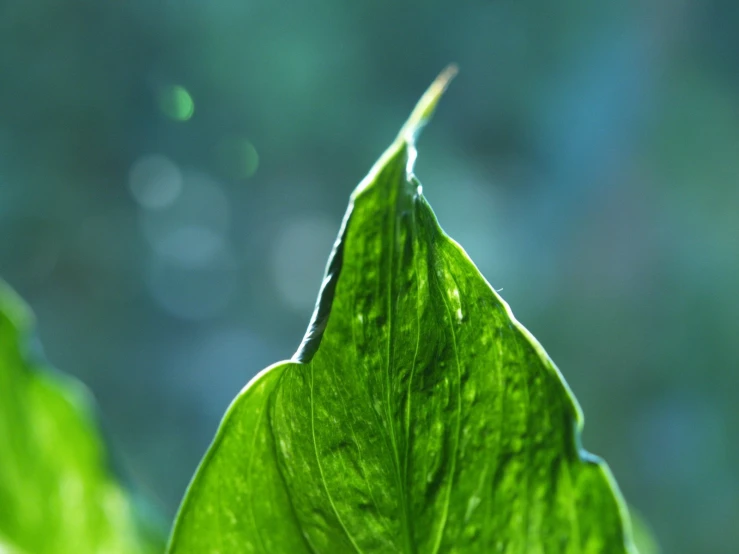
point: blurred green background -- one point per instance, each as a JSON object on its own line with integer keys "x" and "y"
{"x": 173, "y": 174}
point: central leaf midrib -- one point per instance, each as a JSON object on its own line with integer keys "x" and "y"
{"x": 414, "y": 232}
{"x": 395, "y": 181}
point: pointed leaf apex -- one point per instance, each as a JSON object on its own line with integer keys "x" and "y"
{"x": 426, "y": 105}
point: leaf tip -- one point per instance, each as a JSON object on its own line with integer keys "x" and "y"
{"x": 427, "y": 104}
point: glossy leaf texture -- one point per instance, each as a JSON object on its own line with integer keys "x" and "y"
{"x": 418, "y": 416}
{"x": 57, "y": 495}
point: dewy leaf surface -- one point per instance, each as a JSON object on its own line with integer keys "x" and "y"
{"x": 418, "y": 416}
{"x": 56, "y": 493}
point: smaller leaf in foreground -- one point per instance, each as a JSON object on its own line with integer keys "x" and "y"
{"x": 56, "y": 493}
{"x": 644, "y": 538}
{"x": 418, "y": 416}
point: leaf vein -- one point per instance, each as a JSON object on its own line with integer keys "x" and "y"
{"x": 320, "y": 466}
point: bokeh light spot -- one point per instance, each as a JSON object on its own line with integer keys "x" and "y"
{"x": 176, "y": 103}
{"x": 192, "y": 229}
{"x": 191, "y": 246}
{"x": 193, "y": 294}
{"x": 237, "y": 158}
{"x": 155, "y": 181}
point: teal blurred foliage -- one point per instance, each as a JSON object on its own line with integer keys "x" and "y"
{"x": 173, "y": 173}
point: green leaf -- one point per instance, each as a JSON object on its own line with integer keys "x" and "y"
{"x": 417, "y": 416}
{"x": 644, "y": 538}
{"x": 56, "y": 493}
